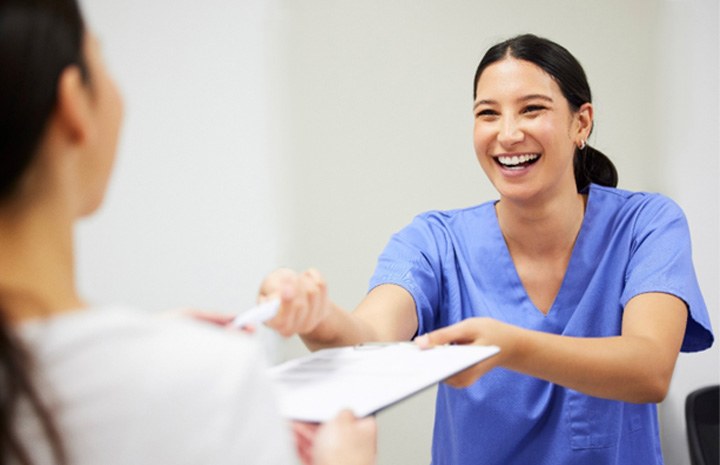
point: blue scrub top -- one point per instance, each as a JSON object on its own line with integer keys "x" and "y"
{"x": 456, "y": 265}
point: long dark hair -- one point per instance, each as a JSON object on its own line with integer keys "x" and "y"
{"x": 38, "y": 40}
{"x": 590, "y": 165}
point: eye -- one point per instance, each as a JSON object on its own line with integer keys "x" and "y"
{"x": 486, "y": 113}
{"x": 532, "y": 109}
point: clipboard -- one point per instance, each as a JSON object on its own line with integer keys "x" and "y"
{"x": 366, "y": 378}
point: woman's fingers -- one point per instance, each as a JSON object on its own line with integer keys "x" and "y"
{"x": 468, "y": 376}
{"x": 477, "y": 331}
{"x": 274, "y": 282}
{"x": 304, "y": 434}
{"x": 303, "y": 300}
{"x": 317, "y": 300}
{"x": 466, "y": 332}
{"x": 347, "y": 440}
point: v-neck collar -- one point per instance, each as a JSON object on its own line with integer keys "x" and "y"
{"x": 564, "y": 302}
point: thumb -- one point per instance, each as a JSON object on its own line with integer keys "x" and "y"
{"x": 459, "y": 333}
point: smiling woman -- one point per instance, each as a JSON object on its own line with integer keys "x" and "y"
{"x": 564, "y": 89}
{"x": 588, "y": 290}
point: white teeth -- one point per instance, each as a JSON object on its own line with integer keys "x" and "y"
{"x": 515, "y": 160}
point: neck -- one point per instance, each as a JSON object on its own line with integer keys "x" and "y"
{"x": 37, "y": 277}
{"x": 543, "y": 229}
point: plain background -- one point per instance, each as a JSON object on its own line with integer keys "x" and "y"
{"x": 266, "y": 133}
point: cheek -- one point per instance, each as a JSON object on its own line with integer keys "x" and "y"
{"x": 552, "y": 133}
{"x": 113, "y": 116}
{"x": 113, "y": 105}
{"x": 481, "y": 139}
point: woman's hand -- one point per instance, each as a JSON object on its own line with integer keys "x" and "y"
{"x": 215, "y": 318}
{"x": 303, "y": 298}
{"x": 476, "y": 331}
{"x": 635, "y": 366}
{"x": 304, "y": 435}
{"x": 346, "y": 440}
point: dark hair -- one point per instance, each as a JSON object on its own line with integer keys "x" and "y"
{"x": 39, "y": 39}
{"x": 591, "y": 165}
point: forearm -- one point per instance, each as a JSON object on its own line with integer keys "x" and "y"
{"x": 635, "y": 366}
{"x": 386, "y": 314}
{"x": 628, "y": 368}
{"x": 339, "y": 328}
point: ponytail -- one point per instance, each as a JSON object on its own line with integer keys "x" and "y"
{"x": 592, "y": 166}
{"x": 16, "y": 367}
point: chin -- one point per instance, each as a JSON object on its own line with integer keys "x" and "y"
{"x": 513, "y": 189}
{"x": 518, "y": 192}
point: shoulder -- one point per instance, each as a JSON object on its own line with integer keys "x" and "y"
{"x": 466, "y": 213}
{"x": 148, "y": 376}
{"x": 632, "y": 199}
{"x": 642, "y": 208}
{"x": 460, "y": 218}
{"x": 121, "y": 352}
{"x": 436, "y": 229}
{"x": 123, "y": 333}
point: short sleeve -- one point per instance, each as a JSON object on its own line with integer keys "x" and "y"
{"x": 411, "y": 260}
{"x": 661, "y": 261}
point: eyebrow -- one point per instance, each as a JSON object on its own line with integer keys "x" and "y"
{"x": 521, "y": 99}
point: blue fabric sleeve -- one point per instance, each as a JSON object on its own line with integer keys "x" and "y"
{"x": 661, "y": 261}
{"x": 411, "y": 261}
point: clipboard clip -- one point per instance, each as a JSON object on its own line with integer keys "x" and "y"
{"x": 374, "y": 345}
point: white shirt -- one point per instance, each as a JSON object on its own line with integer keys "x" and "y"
{"x": 129, "y": 388}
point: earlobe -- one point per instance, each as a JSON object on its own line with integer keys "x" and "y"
{"x": 73, "y": 106}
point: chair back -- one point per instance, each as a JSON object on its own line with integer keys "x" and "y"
{"x": 701, "y": 417}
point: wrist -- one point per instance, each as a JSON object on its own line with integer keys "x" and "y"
{"x": 325, "y": 333}
{"x": 516, "y": 345}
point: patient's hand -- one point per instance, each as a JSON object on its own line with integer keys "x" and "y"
{"x": 215, "y": 318}
{"x": 304, "y": 435}
{"x": 346, "y": 440}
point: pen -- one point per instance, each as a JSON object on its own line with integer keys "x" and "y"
{"x": 258, "y": 314}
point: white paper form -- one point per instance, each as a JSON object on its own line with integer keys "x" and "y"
{"x": 365, "y": 378}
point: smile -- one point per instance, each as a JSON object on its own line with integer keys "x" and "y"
{"x": 517, "y": 161}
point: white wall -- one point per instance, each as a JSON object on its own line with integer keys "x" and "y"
{"x": 189, "y": 219}
{"x": 689, "y": 94}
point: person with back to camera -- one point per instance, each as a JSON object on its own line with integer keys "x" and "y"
{"x": 588, "y": 290}
{"x": 108, "y": 386}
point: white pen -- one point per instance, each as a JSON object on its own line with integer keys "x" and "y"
{"x": 256, "y": 315}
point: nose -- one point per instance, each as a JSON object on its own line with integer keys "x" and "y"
{"x": 509, "y": 132}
